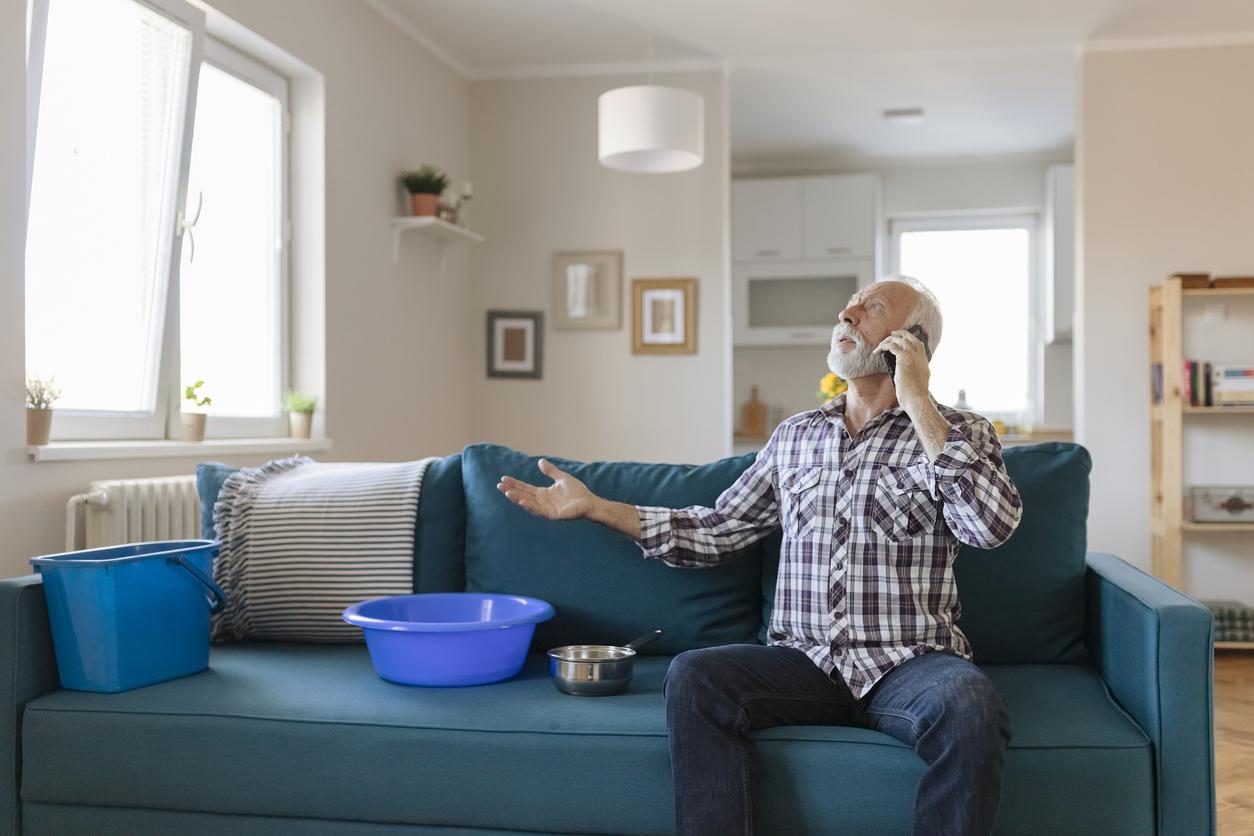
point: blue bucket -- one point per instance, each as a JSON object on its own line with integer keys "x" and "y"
{"x": 127, "y": 616}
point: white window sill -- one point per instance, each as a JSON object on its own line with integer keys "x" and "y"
{"x": 62, "y": 451}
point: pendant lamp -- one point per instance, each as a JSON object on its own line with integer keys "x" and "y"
{"x": 650, "y": 128}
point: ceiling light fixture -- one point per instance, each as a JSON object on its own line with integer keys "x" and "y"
{"x": 904, "y": 115}
{"x": 650, "y": 128}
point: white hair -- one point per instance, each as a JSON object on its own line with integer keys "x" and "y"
{"x": 926, "y": 311}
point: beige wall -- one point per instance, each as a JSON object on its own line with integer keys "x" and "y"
{"x": 540, "y": 189}
{"x": 397, "y": 353}
{"x": 1165, "y": 182}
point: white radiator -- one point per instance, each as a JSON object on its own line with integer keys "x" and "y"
{"x": 134, "y": 510}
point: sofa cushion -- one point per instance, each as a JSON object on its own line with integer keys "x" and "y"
{"x": 1024, "y": 600}
{"x": 603, "y": 588}
{"x": 302, "y": 730}
{"x": 440, "y": 537}
{"x": 209, "y": 479}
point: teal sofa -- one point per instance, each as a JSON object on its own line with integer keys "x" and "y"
{"x": 1106, "y": 670}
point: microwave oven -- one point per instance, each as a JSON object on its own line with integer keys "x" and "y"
{"x": 793, "y": 302}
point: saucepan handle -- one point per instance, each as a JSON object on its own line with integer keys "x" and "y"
{"x": 642, "y": 640}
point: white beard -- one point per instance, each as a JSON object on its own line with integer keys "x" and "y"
{"x": 859, "y": 361}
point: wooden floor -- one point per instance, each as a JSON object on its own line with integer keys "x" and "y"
{"x": 1234, "y": 741}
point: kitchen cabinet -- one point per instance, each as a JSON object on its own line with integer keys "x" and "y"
{"x": 1059, "y": 253}
{"x": 766, "y": 219}
{"x": 793, "y": 302}
{"x": 839, "y": 216}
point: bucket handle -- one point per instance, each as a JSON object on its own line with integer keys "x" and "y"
{"x": 216, "y": 593}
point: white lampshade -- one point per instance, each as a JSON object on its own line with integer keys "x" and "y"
{"x": 652, "y": 129}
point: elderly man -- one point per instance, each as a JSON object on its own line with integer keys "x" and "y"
{"x": 874, "y": 492}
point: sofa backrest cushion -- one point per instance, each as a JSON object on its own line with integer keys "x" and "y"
{"x": 603, "y": 588}
{"x": 440, "y": 542}
{"x": 439, "y": 539}
{"x": 209, "y": 479}
{"x": 1023, "y": 602}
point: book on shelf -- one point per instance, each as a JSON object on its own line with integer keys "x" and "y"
{"x": 1232, "y": 385}
{"x": 1191, "y": 281}
{"x": 1195, "y": 389}
{"x": 1207, "y": 384}
{"x": 1232, "y": 281}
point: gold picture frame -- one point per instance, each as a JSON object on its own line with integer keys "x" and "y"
{"x": 664, "y": 316}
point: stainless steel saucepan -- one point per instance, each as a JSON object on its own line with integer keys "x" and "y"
{"x": 589, "y": 670}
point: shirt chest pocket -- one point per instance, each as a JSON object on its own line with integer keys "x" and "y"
{"x": 799, "y": 499}
{"x": 901, "y": 503}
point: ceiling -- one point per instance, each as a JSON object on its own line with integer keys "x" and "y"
{"x": 809, "y": 78}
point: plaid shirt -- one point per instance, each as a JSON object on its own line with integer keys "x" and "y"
{"x": 871, "y": 526}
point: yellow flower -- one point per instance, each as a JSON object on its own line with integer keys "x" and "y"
{"x": 831, "y": 386}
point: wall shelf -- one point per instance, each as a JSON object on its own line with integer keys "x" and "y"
{"x": 1189, "y": 525}
{"x": 1212, "y": 292}
{"x": 1214, "y": 410}
{"x": 1167, "y": 523}
{"x": 433, "y": 227}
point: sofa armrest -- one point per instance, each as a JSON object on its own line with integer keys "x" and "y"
{"x": 28, "y": 668}
{"x": 1154, "y": 648}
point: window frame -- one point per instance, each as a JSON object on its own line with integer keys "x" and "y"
{"x": 164, "y": 421}
{"x": 1028, "y": 219}
{"x": 231, "y": 60}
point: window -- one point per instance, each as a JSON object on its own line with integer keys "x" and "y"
{"x": 982, "y": 270}
{"x": 131, "y": 292}
{"x": 231, "y": 273}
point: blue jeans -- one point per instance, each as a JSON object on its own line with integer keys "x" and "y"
{"x": 939, "y": 703}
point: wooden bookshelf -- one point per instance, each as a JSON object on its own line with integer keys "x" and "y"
{"x": 1167, "y": 523}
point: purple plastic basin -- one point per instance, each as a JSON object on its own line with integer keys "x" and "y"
{"x": 448, "y": 638}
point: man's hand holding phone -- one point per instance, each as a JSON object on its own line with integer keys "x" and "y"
{"x": 909, "y": 364}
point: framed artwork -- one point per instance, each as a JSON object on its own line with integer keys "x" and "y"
{"x": 587, "y": 290}
{"x": 515, "y": 343}
{"x": 664, "y": 316}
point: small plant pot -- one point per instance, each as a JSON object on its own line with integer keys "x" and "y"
{"x": 301, "y": 423}
{"x": 194, "y": 426}
{"x": 425, "y": 204}
{"x": 38, "y": 426}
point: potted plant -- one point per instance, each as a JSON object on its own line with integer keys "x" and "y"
{"x": 425, "y": 187}
{"x": 300, "y": 409}
{"x": 194, "y": 419}
{"x": 40, "y": 394}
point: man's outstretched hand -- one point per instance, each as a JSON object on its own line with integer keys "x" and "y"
{"x": 566, "y": 499}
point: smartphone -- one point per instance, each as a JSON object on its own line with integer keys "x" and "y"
{"x": 890, "y": 359}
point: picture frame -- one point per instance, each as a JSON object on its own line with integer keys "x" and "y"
{"x": 515, "y": 344}
{"x": 664, "y": 316}
{"x": 587, "y": 290}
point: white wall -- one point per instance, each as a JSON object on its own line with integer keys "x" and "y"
{"x": 398, "y": 357}
{"x": 788, "y": 376}
{"x": 539, "y": 189}
{"x": 1165, "y": 182}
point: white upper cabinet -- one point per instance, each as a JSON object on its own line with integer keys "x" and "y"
{"x": 839, "y": 216}
{"x": 805, "y": 218}
{"x": 766, "y": 219}
{"x": 1059, "y": 253}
